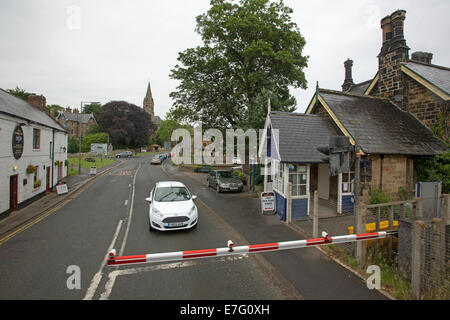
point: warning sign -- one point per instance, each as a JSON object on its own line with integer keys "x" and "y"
{"x": 268, "y": 202}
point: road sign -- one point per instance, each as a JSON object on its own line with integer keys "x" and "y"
{"x": 99, "y": 148}
{"x": 93, "y": 171}
{"x": 268, "y": 203}
{"x": 61, "y": 189}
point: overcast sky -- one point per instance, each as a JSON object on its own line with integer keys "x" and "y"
{"x": 103, "y": 50}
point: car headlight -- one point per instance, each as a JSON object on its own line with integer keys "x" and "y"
{"x": 193, "y": 209}
{"x": 224, "y": 185}
{"x": 157, "y": 213}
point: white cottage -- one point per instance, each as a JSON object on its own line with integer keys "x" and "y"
{"x": 33, "y": 151}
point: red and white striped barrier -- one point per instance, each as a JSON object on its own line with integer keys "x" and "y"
{"x": 231, "y": 250}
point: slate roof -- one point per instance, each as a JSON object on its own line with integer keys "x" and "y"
{"x": 76, "y": 117}
{"x": 380, "y": 127}
{"x": 360, "y": 88}
{"x": 299, "y": 135}
{"x": 16, "y": 107}
{"x": 436, "y": 75}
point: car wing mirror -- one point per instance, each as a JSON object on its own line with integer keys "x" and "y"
{"x": 194, "y": 197}
{"x": 149, "y": 199}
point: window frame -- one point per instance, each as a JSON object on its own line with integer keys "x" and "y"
{"x": 36, "y": 139}
{"x": 297, "y": 187}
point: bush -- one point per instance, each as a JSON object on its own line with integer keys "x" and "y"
{"x": 90, "y": 160}
{"x": 434, "y": 168}
{"x": 241, "y": 176}
{"x": 378, "y": 196}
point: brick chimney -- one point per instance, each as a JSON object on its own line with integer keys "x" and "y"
{"x": 76, "y": 111}
{"x": 37, "y": 101}
{"x": 69, "y": 109}
{"x": 348, "y": 81}
{"x": 393, "y": 52}
{"x": 420, "y": 56}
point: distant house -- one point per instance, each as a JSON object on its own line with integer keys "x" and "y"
{"x": 33, "y": 151}
{"x": 388, "y": 117}
{"x": 76, "y": 123}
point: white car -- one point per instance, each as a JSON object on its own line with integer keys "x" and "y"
{"x": 171, "y": 207}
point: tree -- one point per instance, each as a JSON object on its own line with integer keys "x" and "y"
{"x": 19, "y": 93}
{"x": 127, "y": 124}
{"x": 73, "y": 145}
{"x": 93, "y": 108}
{"x": 165, "y": 129}
{"x": 101, "y": 137}
{"x": 55, "y": 107}
{"x": 251, "y": 49}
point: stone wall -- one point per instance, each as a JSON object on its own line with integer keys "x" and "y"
{"x": 422, "y": 103}
{"x": 388, "y": 173}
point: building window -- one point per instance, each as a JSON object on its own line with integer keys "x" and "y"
{"x": 347, "y": 182}
{"x": 36, "y": 138}
{"x": 298, "y": 178}
{"x": 278, "y": 181}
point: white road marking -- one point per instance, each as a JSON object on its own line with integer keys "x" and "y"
{"x": 124, "y": 241}
{"x": 183, "y": 264}
{"x": 126, "y": 202}
{"x": 98, "y": 276}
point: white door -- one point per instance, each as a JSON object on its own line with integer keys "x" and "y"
{"x": 323, "y": 186}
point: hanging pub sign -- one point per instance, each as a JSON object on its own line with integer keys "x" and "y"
{"x": 17, "y": 142}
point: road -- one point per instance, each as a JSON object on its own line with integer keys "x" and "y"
{"x": 38, "y": 263}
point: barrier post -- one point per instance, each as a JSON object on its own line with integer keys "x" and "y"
{"x": 316, "y": 215}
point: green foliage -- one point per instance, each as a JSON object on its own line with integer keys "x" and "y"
{"x": 250, "y": 48}
{"x": 165, "y": 130}
{"x": 434, "y": 168}
{"x": 378, "y": 196}
{"x": 95, "y": 128}
{"x": 73, "y": 145}
{"x": 241, "y": 176}
{"x": 93, "y": 108}
{"x": 403, "y": 194}
{"x": 19, "y": 93}
{"x": 55, "y": 107}
{"x": 93, "y": 138}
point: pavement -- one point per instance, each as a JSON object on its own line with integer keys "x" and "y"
{"x": 15, "y": 220}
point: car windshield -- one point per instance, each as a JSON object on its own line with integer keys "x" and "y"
{"x": 156, "y": 157}
{"x": 225, "y": 174}
{"x": 169, "y": 194}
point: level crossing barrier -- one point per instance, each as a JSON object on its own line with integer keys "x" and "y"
{"x": 241, "y": 250}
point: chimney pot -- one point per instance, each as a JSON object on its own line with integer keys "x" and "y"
{"x": 348, "y": 81}
{"x": 420, "y": 56}
{"x": 37, "y": 101}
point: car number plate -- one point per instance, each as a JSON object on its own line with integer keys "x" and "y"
{"x": 176, "y": 224}
{"x": 233, "y": 188}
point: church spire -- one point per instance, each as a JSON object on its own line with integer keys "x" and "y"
{"x": 149, "y": 104}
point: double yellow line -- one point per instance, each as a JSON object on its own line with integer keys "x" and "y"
{"x": 58, "y": 206}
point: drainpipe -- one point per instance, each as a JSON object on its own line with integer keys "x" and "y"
{"x": 53, "y": 156}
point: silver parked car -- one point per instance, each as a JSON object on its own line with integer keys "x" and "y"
{"x": 224, "y": 181}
